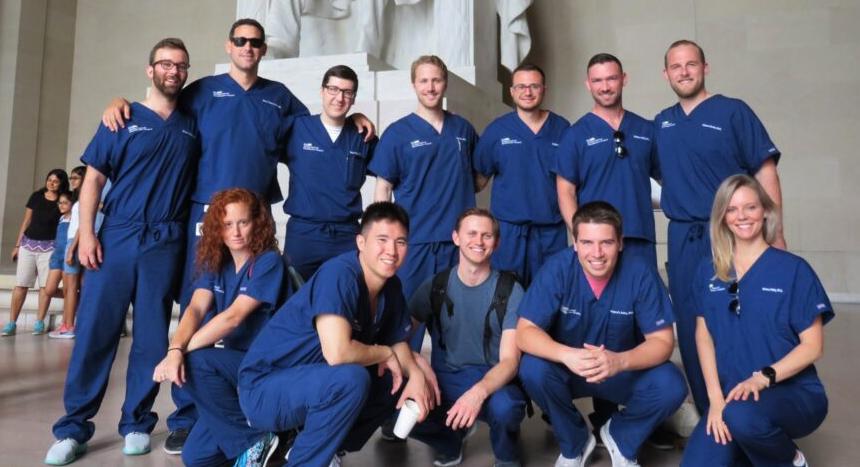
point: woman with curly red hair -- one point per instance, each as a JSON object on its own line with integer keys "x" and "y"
{"x": 238, "y": 283}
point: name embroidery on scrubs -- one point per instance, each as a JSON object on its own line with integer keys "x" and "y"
{"x": 666, "y": 124}
{"x": 222, "y": 94}
{"x": 136, "y": 128}
{"x": 554, "y": 144}
{"x": 715, "y": 288}
{"x": 569, "y": 311}
{"x": 713, "y": 127}
{"x": 271, "y": 103}
{"x": 592, "y": 141}
{"x": 189, "y": 134}
{"x": 622, "y": 312}
{"x": 311, "y": 147}
{"x": 771, "y": 289}
{"x": 643, "y": 138}
{"x": 418, "y": 143}
{"x": 507, "y": 141}
{"x": 460, "y": 142}
{"x": 217, "y": 289}
{"x": 243, "y": 289}
{"x": 354, "y": 153}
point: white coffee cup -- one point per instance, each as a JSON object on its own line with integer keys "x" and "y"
{"x": 407, "y": 419}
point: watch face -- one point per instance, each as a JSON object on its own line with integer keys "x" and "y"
{"x": 770, "y": 373}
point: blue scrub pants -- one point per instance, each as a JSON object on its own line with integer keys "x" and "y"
{"x": 641, "y": 248}
{"x": 308, "y": 244}
{"x": 221, "y": 432}
{"x": 340, "y": 407}
{"x": 523, "y": 248}
{"x": 689, "y": 245}
{"x": 649, "y": 397}
{"x": 762, "y": 431}
{"x": 140, "y": 268}
{"x": 422, "y": 262}
{"x": 504, "y": 410}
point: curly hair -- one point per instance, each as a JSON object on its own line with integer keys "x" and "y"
{"x": 211, "y": 251}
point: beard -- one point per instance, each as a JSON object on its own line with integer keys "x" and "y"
{"x": 168, "y": 90}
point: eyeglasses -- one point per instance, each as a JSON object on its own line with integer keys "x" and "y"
{"x": 334, "y": 91}
{"x": 256, "y": 42}
{"x": 522, "y": 87}
{"x": 620, "y": 150}
{"x": 167, "y": 65}
{"x": 735, "y": 304}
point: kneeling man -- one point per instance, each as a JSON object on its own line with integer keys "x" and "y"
{"x": 470, "y": 311}
{"x": 596, "y": 324}
{"x": 333, "y": 357}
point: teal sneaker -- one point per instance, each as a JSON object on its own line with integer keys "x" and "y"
{"x": 136, "y": 444}
{"x": 258, "y": 454}
{"x": 65, "y": 451}
{"x": 9, "y": 329}
{"x": 39, "y": 328}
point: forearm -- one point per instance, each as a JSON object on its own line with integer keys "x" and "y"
{"x": 213, "y": 331}
{"x": 567, "y": 202}
{"x": 382, "y": 191}
{"x": 768, "y": 176}
{"x": 708, "y": 363}
{"x": 360, "y": 354}
{"x": 498, "y": 376}
{"x": 648, "y": 354}
{"x": 89, "y": 202}
{"x": 187, "y": 327}
{"x": 805, "y": 354}
{"x": 481, "y": 182}
{"x": 407, "y": 361}
{"x": 535, "y": 341}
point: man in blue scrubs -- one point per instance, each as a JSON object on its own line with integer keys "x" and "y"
{"x": 609, "y": 155}
{"x": 135, "y": 258}
{"x": 332, "y": 359}
{"x": 519, "y": 150}
{"x": 595, "y": 323}
{"x": 702, "y": 140}
{"x": 475, "y": 355}
{"x": 327, "y": 158}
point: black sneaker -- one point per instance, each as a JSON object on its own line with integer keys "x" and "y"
{"x": 661, "y": 439}
{"x": 386, "y": 432}
{"x": 175, "y": 440}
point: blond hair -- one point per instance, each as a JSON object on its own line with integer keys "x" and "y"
{"x": 429, "y": 60}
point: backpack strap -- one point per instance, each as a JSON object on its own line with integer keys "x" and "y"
{"x": 438, "y": 297}
{"x": 504, "y": 288}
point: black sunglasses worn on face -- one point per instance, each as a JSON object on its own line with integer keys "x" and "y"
{"x": 240, "y": 41}
{"x": 620, "y": 150}
{"x": 735, "y": 304}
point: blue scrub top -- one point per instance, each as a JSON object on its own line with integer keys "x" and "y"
{"x": 721, "y": 137}
{"x": 561, "y": 302}
{"x": 431, "y": 172}
{"x": 780, "y": 296}
{"x": 325, "y": 176}
{"x": 243, "y": 133}
{"x": 150, "y": 164}
{"x": 290, "y": 338}
{"x": 586, "y": 158}
{"x": 523, "y": 164}
{"x": 261, "y": 278}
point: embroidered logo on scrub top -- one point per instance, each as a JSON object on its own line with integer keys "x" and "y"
{"x": 271, "y": 103}
{"x": 189, "y": 134}
{"x": 821, "y": 306}
{"x": 771, "y": 289}
{"x": 569, "y": 311}
{"x": 311, "y": 147}
{"x": 418, "y": 143}
{"x": 460, "y": 142}
{"x": 715, "y": 288}
{"x": 507, "y": 141}
{"x": 666, "y": 124}
{"x": 713, "y": 127}
{"x": 222, "y": 94}
{"x": 218, "y": 289}
{"x": 592, "y": 141}
{"x": 136, "y": 128}
{"x": 643, "y": 138}
{"x": 554, "y": 144}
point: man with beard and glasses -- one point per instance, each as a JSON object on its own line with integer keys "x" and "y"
{"x": 136, "y": 258}
{"x": 519, "y": 150}
{"x": 701, "y": 141}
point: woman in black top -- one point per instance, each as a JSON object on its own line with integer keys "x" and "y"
{"x": 34, "y": 246}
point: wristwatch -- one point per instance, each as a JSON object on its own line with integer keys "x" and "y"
{"x": 770, "y": 374}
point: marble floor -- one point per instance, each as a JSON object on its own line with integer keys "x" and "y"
{"x": 33, "y": 370}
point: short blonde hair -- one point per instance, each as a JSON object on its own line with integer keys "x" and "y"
{"x": 429, "y": 60}
{"x": 722, "y": 239}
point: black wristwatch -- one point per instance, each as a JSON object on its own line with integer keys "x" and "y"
{"x": 770, "y": 374}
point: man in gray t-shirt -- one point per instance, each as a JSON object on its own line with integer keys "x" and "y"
{"x": 475, "y": 357}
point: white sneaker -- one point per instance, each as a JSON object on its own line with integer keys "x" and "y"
{"x": 65, "y": 451}
{"x": 618, "y": 459}
{"x": 580, "y": 460}
{"x": 336, "y": 461}
{"x": 799, "y": 459}
{"x": 136, "y": 444}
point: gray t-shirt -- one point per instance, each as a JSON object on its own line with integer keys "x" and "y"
{"x": 463, "y": 333}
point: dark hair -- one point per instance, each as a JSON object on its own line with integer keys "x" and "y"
{"x": 68, "y": 194}
{"x": 384, "y": 211}
{"x": 480, "y": 212}
{"x": 342, "y": 72}
{"x": 679, "y": 43}
{"x": 603, "y": 58}
{"x": 168, "y": 43}
{"x": 81, "y": 171}
{"x": 247, "y": 22}
{"x": 530, "y": 67}
{"x": 429, "y": 60}
{"x": 597, "y": 212}
{"x": 64, "y": 180}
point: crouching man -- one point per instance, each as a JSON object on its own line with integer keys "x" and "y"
{"x": 596, "y": 324}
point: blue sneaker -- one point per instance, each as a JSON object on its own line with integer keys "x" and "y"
{"x": 65, "y": 451}
{"x": 39, "y": 328}
{"x": 9, "y": 329}
{"x": 258, "y": 454}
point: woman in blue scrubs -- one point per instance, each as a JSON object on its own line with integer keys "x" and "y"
{"x": 239, "y": 271}
{"x": 761, "y": 311}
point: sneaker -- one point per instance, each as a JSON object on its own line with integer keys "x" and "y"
{"x": 580, "y": 460}
{"x": 661, "y": 439}
{"x": 337, "y": 460}
{"x": 258, "y": 454}
{"x": 386, "y": 431}
{"x": 618, "y": 459}
{"x": 442, "y": 460}
{"x": 799, "y": 459}
{"x": 175, "y": 441}
{"x": 65, "y": 451}
{"x": 63, "y": 332}
{"x": 9, "y": 329}
{"x": 136, "y": 444}
{"x": 39, "y": 327}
